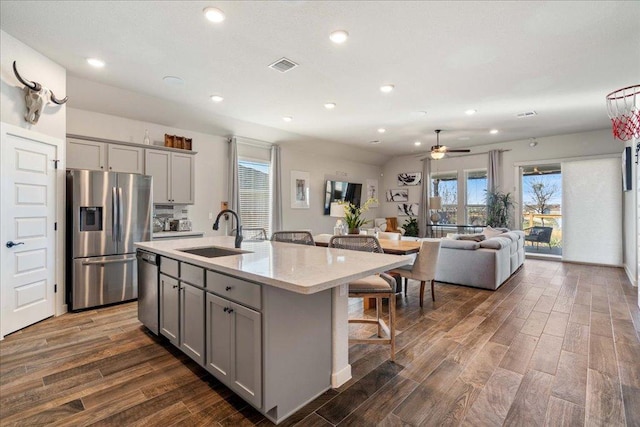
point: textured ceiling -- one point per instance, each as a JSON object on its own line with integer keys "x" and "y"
{"x": 559, "y": 59}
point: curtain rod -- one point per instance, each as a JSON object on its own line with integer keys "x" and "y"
{"x": 251, "y": 142}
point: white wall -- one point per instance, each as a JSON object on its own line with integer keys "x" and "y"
{"x": 34, "y": 66}
{"x": 630, "y": 215}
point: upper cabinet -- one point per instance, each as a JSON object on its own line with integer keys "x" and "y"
{"x": 173, "y": 176}
{"x": 94, "y": 155}
{"x": 173, "y": 169}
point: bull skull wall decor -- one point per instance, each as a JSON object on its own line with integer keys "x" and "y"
{"x": 36, "y": 97}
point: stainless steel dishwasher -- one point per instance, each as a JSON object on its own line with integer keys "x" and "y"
{"x": 148, "y": 302}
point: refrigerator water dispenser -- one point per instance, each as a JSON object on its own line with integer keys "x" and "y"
{"x": 90, "y": 218}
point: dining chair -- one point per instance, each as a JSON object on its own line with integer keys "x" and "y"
{"x": 388, "y": 235}
{"x": 299, "y": 237}
{"x": 423, "y": 268}
{"x": 252, "y": 233}
{"x": 377, "y": 286}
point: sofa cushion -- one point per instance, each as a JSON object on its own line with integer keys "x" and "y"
{"x": 495, "y": 243}
{"x": 459, "y": 244}
{"x": 491, "y": 232}
{"x": 472, "y": 237}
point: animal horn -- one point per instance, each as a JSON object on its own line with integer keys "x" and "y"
{"x": 31, "y": 85}
{"x": 58, "y": 101}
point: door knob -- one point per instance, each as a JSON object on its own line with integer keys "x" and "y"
{"x": 11, "y": 244}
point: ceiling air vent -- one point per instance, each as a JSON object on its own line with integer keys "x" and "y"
{"x": 526, "y": 114}
{"x": 283, "y": 65}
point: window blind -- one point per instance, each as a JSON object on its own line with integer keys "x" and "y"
{"x": 255, "y": 194}
{"x": 592, "y": 211}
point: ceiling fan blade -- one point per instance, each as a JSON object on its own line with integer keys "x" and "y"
{"x": 451, "y": 150}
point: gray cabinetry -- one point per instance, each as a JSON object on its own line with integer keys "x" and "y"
{"x": 173, "y": 176}
{"x": 169, "y": 306}
{"x": 192, "y": 322}
{"x": 234, "y": 347}
{"x": 95, "y": 155}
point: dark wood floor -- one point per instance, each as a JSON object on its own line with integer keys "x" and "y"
{"x": 557, "y": 345}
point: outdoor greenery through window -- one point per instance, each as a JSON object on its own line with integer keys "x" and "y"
{"x": 255, "y": 194}
{"x": 542, "y": 204}
{"x": 445, "y": 185}
{"x": 476, "y": 206}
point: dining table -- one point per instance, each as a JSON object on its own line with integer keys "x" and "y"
{"x": 393, "y": 247}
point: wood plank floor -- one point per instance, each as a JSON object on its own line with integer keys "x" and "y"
{"x": 556, "y": 345}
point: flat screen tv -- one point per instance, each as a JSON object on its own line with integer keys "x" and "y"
{"x": 341, "y": 190}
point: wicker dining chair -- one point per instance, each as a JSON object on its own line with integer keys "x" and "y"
{"x": 299, "y": 237}
{"x": 376, "y": 286}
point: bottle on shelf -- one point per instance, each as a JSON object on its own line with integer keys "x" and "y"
{"x": 146, "y": 140}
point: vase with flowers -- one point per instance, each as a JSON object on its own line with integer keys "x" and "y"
{"x": 353, "y": 215}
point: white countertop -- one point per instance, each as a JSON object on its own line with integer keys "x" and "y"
{"x": 297, "y": 268}
{"x": 169, "y": 234}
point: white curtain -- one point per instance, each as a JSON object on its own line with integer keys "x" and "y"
{"x": 592, "y": 211}
{"x": 493, "y": 170}
{"x": 234, "y": 182}
{"x": 276, "y": 190}
{"x": 425, "y": 191}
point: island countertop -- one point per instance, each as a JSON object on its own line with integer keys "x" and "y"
{"x": 297, "y": 268}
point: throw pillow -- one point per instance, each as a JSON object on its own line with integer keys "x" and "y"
{"x": 490, "y": 232}
{"x": 473, "y": 237}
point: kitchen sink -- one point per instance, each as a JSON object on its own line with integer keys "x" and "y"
{"x": 212, "y": 251}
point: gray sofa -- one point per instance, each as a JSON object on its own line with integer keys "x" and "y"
{"x": 486, "y": 264}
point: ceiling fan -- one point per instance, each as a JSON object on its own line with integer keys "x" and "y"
{"x": 438, "y": 151}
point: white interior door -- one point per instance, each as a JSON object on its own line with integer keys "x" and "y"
{"x": 27, "y": 216}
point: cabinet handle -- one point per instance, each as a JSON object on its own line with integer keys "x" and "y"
{"x": 228, "y": 288}
{"x": 225, "y": 309}
{"x": 101, "y": 167}
{"x": 110, "y": 168}
{"x": 175, "y": 286}
{"x": 230, "y": 311}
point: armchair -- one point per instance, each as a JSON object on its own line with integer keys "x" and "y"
{"x": 538, "y": 235}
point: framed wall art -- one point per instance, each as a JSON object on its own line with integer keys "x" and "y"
{"x": 397, "y": 195}
{"x": 409, "y": 178}
{"x": 299, "y": 190}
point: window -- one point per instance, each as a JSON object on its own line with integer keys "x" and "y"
{"x": 255, "y": 194}
{"x": 445, "y": 185}
{"x": 476, "y": 208}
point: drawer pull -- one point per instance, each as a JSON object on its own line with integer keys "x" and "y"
{"x": 228, "y": 288}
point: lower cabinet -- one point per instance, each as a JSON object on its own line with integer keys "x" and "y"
{"x": 192, "y": 322}
{"x": 169, "y": 308}
{"x": 234, "y": 347}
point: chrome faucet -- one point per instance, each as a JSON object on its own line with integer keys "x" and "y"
{"x": 238, "y": 229}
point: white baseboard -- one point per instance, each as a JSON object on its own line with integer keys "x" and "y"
{"x": 632, "y": 279}
{"x": 341, "y": 377}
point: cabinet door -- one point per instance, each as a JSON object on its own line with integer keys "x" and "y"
{"x": 169, "y": 308}
{"x": 182, "y": 177}
{"x": 86, "y": 154}
{"x": 246, "y": 354}
{"x": 124, "y": 158}
{"x": 218, "y": 340}
{"x": 192, "y": 322}
{"x": 157, "y": 164}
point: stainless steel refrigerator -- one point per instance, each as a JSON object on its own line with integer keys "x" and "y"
{"x": 106, "y": 213}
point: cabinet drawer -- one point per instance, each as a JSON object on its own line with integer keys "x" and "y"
{"x": 234, "y": 289}
{"x": 169, "y": 267}
{"x": 192, "y": 274}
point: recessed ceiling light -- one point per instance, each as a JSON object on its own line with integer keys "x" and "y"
{"x": 339, "y": 36}
{"x": 330, "y": 105}
{"x": 470, "y": 112}
{"x": 381, "y": 130}
{"x": 214, "y": 14}
{"x": 173, "y": 80}
{"x": 386, "y": 88}
{"x": 216, "y": 98}
{"x": 493, "y": 131}
{"x": 417, "y": 143}
{"x": 95, "y": 62}
{"x": 375, "y": 142}
{"x": 287, "y": 118}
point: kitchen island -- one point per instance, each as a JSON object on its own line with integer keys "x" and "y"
{"x": 269, "y": 319}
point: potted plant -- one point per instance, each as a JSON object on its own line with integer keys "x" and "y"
{"x": 353, "y": 215}
{"x": 411, "y": 227}
{"x": 499, "y": 208}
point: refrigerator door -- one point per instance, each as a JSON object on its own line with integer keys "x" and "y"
{"x": 92, "y": 207}
{"x": 134, "y": 211}
{"x": 104, "y": 280}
